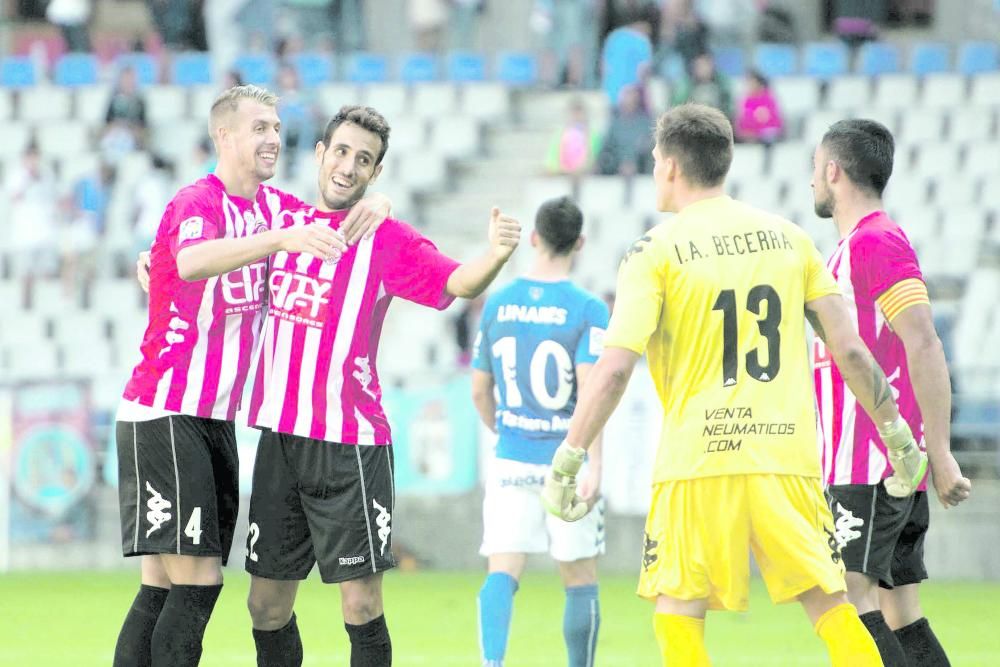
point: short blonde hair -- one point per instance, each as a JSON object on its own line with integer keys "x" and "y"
{"x": 229, "y": 101}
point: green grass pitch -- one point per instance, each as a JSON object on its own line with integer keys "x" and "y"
{"x": 73, "y": 619}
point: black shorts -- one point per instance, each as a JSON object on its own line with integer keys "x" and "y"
{"x": 879, "y": 535}
{"x": 320, "y": 502}
{"x": 178, "y": 486}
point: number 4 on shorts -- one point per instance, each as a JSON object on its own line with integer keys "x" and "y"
{"x": 193, "y": 527}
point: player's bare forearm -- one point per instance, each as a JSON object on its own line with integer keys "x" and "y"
{"x": 472, "y": 278}
{"x": 928, "y": 375}
{"x": 600, "y": 395}
{"x": 482, "y": 398}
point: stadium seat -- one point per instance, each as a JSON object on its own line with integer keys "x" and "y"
{"x": 45, "y": 104}
{"x": 601, "y": 194}
{"x": 366, "y": 68}
{"x": 790, "y": 159}
{"x": 485, "y": 100}
{"x": 409, "y": 134}
{"x": 74, "y": 166}
{"x": 192, "y": 68}
{"x": 83, "y": 360}
{"x": 986, "y": 90}
{"x": 730, "y": 60}
{"x": 6, "y": 104}
{"x": 75, "y": 326}
{"x": 767, "y": 194}
{"x": 748, "y": 162}
{"x": 921, "y": 125}
{"x": 165, "y": 103}
{"x": 825, "y": 59}
{"x": 434, "y": 99}
{"x": 953, "y": 192}
{"x": 256, "y": 68}
{"x": 391, "y": 99}
{"x": 418, "y": 67}
{"x": 32, "y": 359}
{"x": 49, "y": 298}
{"x": 16, "y": 137}
{"x": 895, "y": 91}
{"x": 875, "y": 58}
{"x": 75, "y": 69}
{"x": 848, "y": 92}
{"x": 930, "y": 58}
{"x": 314, "y": 69}
{"x": 143, "y": 64}
{"x": 936, "y": 158}
{"x": 798, "y": 96}
{"x": 971, "y": 124}
{"x": 920, "y": 223}
{"x": 964, "y": 223}
{"x": 464, "y": 67}
{"x": 456, "y": 136}
{"x": 17, "y": 72}
{"x": 538, "y": 190}
{"x": 421, "y": 172}
{"x": 942, "y": 91}
{"x": 981, "y": 160}
{"x": 176, "y": 140}
{"x": 92, "y": 103}
{"x": 517, "y": 69}
{"x": 776, "y": 59}
{"x": 332, "y": 96}
{"x": 817, "y": 124}
{"x": 978, "y": 57}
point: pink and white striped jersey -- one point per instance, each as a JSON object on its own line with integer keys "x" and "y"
{"x": 197, "y": 349}
{"x": 873, "y": 258}
{"x": 316, "y": 375}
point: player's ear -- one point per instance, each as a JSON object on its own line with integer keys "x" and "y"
{"x": 378, "y": 170}
{"x": 534, "y": 238}
{"x": 320, "y": 150}
{"x": 832, "y": 171}
{"x": 579, "y": 243}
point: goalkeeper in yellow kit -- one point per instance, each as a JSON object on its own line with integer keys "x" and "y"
{"x": 717, "y": 298}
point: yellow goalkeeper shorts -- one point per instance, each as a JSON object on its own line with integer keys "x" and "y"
{"x": 699, "y": 534}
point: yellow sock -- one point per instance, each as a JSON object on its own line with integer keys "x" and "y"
{"x": 681, "y": 640}
{"x": 847, "y": 639}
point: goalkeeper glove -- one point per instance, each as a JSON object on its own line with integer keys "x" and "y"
{"x": 559, "y": 495}
{"x": 908, "y": 463}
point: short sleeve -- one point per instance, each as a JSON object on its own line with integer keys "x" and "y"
{"x": 412, "y": 267}
{"x": 595, "y": 324}
{"x": 189, "y": 222}
{"x": 819, "y": 281}
{"x": 638, "y": 301}
{"x": 481, "y": 347}
{"x": 880, "y": 259}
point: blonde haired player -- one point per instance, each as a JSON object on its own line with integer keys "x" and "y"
{"x": 717, "y": 298}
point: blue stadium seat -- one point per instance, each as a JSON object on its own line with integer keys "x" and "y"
{"x": 730, "y": 60}
{"x": 143, "y": 64}
{"x": 256, "y": 68}
{"x": 418, "y": 67}
{"x": 17, "y": 72}
{"x": 930, "y": 58}
{"x": 825, "y": 59}
{"x": 313, "y": 68}
{"x": 516, "y": 68}
{"x": 465, "y": 66}
{"x": 366, "y": 68}
{"x": 977, "y": 57}
{"x": 776, "y": 59}
{"x": 876, "y": 58}
{"x": 75, "y": 69}
{"x": 193, "y": 68}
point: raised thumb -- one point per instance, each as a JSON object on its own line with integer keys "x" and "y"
{"x": 494, "y": 213}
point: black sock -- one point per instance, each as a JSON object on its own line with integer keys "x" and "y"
{"x": 279, "y": 648}
{"x": 921, "y": 646}
{"x": 370, "y": 644}
{"x": 132, "y": 649}
{"x": 888, "y": 646}
{"x": 181, "y": 627}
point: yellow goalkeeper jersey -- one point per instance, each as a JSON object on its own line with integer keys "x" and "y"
{"x": 716, "y": 298}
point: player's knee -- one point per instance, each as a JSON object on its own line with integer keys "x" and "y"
{"x": 361, "y": 604}
{"x": 268, "y": 612}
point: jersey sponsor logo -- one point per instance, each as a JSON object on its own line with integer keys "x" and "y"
{"x": 513, "y": 312}
{"x": 157, "y": 504}
{"x": 243, "y": 289}
{"x": 637, "y": 247}
{"x": 192, "y": 228}
{"x": 596, "y": 344}
{"x": 649, "y": 551}
{"x": 351, "y": 560}
{"x": 297, "y": 297}
{"x": 518, "y": 481}
{"x": 382, "y": 521}
{"x": 846, "y": 525}
{"x": 364, "y": 375}
{"x": 555, "y": 424}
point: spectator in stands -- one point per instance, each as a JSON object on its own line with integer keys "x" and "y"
{"x": 175, "y": 21}
{"x": 127, "y": 104}
{"x": 628, "y": 143}
{"x": 149, "y": 199}
{"x": 569, "y": 31}
{"x": 32, "y": 233}
{"x": 84, "y": 226}
{"x": 575, "y": 145}
{"x": 72, "y": 17}
{"x": 759, "y": 119}
{"x": 627, "y": 55}
{"x": 299, "y": 115}
{"x": 704, "y": 84}
{"x": 464, "y": 19}
{"x": 730, "y": 22}
{"x": 427, "y": 20}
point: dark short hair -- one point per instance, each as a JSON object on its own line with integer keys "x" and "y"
{"x": 366, "y": 118}
{"x": 864, "y": 150}
{"x": 559, "y": 222}
{"x": 700, "y": 138}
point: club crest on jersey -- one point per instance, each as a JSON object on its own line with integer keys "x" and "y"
{"x": 535, "y": 293}
{"x": 192, "y": 228}
{"x": 382, "y": 521}
{"x": 157, "y": 504}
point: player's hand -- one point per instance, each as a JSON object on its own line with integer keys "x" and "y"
{"x": 315, "y": 239}
{"x": 952, "y": 488}
{"x": 909, "y": 463}
{"x": 504, "y": 235}
{"x": 589, "y": 486}
{"x": 559, "y": 495}
{"x": 142, "y": 270}
{"x": 365, "y": 217}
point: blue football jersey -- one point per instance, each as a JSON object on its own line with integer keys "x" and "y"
{"x": 531, "y": 337}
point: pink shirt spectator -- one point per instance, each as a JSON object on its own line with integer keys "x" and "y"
{"x": 316, "y": 376}
{"x": 868, "y": 262}
{"x": 759, "y": 118}
{"x": 197, "y": 348}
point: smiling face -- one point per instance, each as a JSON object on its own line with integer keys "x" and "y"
{"x": 347, "y": 165}
{"x": 249, "y": 136}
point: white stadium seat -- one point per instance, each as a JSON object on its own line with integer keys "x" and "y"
{"x": 942, "y": 91}
{"x": 971, "y": 124}
{"x": 6, "y": 104}
{"x": 409, "y": 133}
{"x": 986, "y": 90}
{"x": 748, "y": 163}
{"x": 16, "y": 138}
{"x": 44, "y": 104}
{"x": 391, "y": 100}
{"x": 165, "y": 103}
{"x": 921, "y": 125}
{"x": 599, "y": 194}
{"x": 797, "y": 95}
{"x": 332, "y": 96}
{"x": 791, "y": 160}
{"x": 936, "y": 159}
{"x": 434, "y": 99}
{"x": 959, "y": 191}
{"x": 486, "y": 100}
{"x": 57, "y": 139}
{"x": 92, "y": 104}
{"x": 896, "y": 91}
{"x": 848, "y": 92}
{"x": 982, "y": 159}
{"x": 455, "y": 136}
{"x": 31, "y": 359}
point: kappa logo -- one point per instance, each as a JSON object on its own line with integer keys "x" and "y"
{"x": 364, "y": 375}
{"x": 637, "y": 247}
{"x": 846, "y": 525}
{"x": 649, "y": 551}
{"x": 382, "y": 520}
{"x": 156, "y": 516}
{"x": 351, "y": 560}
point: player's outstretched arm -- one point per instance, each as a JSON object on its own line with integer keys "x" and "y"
{"x": 470, "y": 279}
{"x": 932, "y": 387}
{"x": 831, "y": 320}
{"x": 483, "y": 399}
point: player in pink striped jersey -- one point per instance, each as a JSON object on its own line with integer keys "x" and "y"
{"x": 323, "y": 478}
{"x": 880, "y": 525}
{"x": 176, "y": 440}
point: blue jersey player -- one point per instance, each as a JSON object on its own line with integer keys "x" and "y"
{"x": 538, "y": 338}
